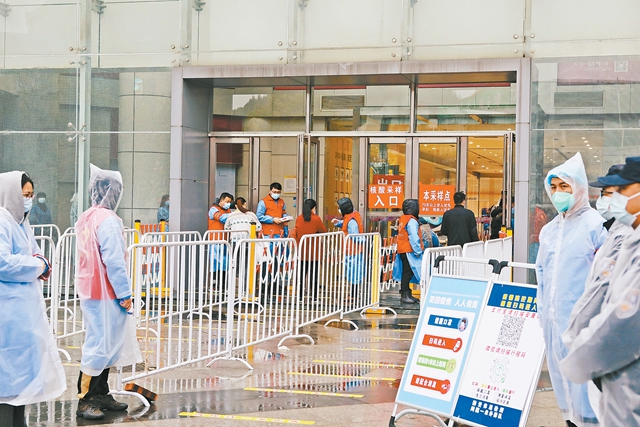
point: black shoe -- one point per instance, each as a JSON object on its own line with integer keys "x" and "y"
{"x": 89, "y": 411}
{"x": 405, "y": 297}
{"x": 415, "y": 300}
{"x": 108, "y": 403}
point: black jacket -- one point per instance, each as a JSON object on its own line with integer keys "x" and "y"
{"x": 459, "y": 225}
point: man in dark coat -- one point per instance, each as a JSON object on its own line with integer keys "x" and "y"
{"x": 459, "y": 223}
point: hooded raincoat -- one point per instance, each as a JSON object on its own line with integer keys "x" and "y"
{"x": 410, "y": 207}
{"x": 609, "y": 348}
{"x": 354, "y": 257}
{"x": 30, "y": 367}
{"x": 102, "y": 279}
{"x": 568, "y": 245}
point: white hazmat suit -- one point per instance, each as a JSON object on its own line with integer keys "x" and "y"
{"x": 568, "y": 245}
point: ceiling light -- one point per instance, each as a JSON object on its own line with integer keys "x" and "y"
{"x": 588, "y": 145}
{"x": 595, "y": 156}
{"x": 590, "y": 148}
{"x": 586, "y": 140}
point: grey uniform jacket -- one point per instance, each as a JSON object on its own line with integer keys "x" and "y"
{"x": 609, "y": 348}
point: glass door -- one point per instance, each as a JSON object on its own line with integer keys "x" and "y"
{"x": 231, "y": 169}
{"x": 308, "y": 170}
{"x": 387, "y": 183}
{"x": 438, "y": 170}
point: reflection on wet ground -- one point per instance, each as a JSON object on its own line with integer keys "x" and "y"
{"x": 349, "y": 371}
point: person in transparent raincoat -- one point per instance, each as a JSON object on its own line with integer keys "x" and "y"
{"x": 105, "y": 293}
{"x": 30, "y": 367}
{"x": 568, "y": 245}
{"x": 608, "y": 349}
{"x": 597, "y": 283}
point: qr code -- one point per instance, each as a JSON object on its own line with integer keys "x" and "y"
{"x": 511, "y": 331}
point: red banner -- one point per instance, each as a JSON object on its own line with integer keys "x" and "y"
{"x": 435, "y": 200}
{"x": 386, "y": 192}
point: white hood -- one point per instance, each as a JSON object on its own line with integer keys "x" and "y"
{"x": 11, "y": 195}
{"x": 573, "y": 173}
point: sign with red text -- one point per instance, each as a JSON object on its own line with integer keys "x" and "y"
{"x": 435, "y": 200}
{"x": 441, "y": 343}
{"x": 386, "y": 192}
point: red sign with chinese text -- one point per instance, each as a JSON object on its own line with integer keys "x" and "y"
{"x": 435, "y": 200}
{"x": 386, "y": 192}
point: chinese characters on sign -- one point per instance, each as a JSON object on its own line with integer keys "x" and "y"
{"x": 386, "y": 192}
{"x": 435, "y": 200}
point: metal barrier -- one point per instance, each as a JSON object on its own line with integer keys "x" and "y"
{"x": 66, "y": 315}
{"x": 387, "y": 258}
{"x": 361, "y": 286}
{"x": 428, "y": 259}
{"x": 46, "y": 230}
{"x": 178, "y": 324}
{"x": 500, "y": 249}
{"x": 475, "y": 250}
{"x": 48, "y": 249}
{"x": 319, "y": 280}
{"x": 266, "y": 290}
{"x": 171, "y": 236}
{"x": 131, "y": 236}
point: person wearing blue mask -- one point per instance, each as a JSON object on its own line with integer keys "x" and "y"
{"x": 272, "y": 213}
{"x": 218, "y": 214}
{"x": 608, "y": 349}
{"x": 597, "y": 283}
{"x": 568, "y": 245}
{"x": 163, "y": 210}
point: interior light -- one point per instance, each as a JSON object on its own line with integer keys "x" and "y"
{"x": 590, "y": 148}
{"x": 585, "y": 141}
{"x": 583, "y": 137}
{"x": 588, "y": 145}
{"x": 595, "y": 156}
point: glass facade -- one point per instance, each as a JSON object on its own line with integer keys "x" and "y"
{"x": 585, "y": 105}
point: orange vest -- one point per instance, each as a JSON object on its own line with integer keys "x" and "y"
{"x": 91, "y": 272}
{"x": 352, "y": 246}
{"x": 215, "y": 223}
{"x": 274, "y": 209}
{"x": 404, "y": 246}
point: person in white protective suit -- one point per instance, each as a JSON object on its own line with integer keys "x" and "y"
{"x": 568, "y": 245}
{"x": 597, "y": 283}
{"x": 609, "y": 348}
{"x": 105, "y": 296}
{"x": 30, "y": 367}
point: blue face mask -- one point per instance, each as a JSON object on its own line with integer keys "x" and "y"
{"x": 28, "y": 203}
{"x": 618, "y": 208}
{"x": 226, "y": 206}
{"x": 562, "y": 201}
{"x": 166, "y": 203}
{"x": 275, "y": 196}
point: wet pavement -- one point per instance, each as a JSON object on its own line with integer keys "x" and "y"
{"x": 349, "y": 377}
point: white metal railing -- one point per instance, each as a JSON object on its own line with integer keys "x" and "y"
{"x": 46, "y": 230}
{"x": 429, "y": 257}
{"x": 48, "y": 249}
{"x": 501, "y": 250}
{"x": 66, "y": 315}
{"x": 171, "y": 236}
{"x": 387, "y": 258}
{"x": 474, "y": 250}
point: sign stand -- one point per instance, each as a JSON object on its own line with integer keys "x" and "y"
{"x": 467, "y": 362}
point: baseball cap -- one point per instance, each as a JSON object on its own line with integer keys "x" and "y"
{"x": 629, "y": 174}
{"x": 613, "y": 170}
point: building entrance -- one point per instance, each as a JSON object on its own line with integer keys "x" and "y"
{"x": 376, "y": 172}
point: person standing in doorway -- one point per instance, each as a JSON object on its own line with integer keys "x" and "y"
{"x": 30, "y": 367}
{"x": 459, "y": 224}
{"x": 218, "y": 214}
{"x": 105, "y": 293}
{"x": 272, "y": 213}
{"x": 568, "y": 245}
{"x": 40, "y": 214}
{"x": 351, "y": 224}
{"x": 408, "y": 263}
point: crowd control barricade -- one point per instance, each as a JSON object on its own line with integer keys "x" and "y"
{"x": 262, "y": 291}
{"x": 131, "y": 236}
{"x": 176, "y": 326}
{"x": 66, "y": 315}
{"x": 501, "y": 249}
{"x": 387, "y": 258}
{"x": 477, "y": 340}
{"x": 474, "y": 250}
{"x": 48, "y": 249}
{"x": 361, "y": 272}
{"x": 46, "y": 230}
{"x": 319, "y": 280}
{"x": 429, "y": 257}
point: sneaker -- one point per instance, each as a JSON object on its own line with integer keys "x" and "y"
{"x": 106, "y": 402}
{"x": 89, "y": 411}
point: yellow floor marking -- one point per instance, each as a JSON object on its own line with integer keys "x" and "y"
{"x": 245, "y": 418}
{"x": 342, "y": 376}
{"x": 70, "y": 364}
{"x": 379, "y": 350}
{"x": 315, "y": 393}
{"x": 381, "y": 365}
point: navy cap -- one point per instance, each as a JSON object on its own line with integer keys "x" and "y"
{"x": 613, "y": 170}
{"x": 629, "y": 174}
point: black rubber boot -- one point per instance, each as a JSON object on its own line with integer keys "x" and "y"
{"x": 415, "y": 300}
{"x": 405, "y": 297}
{"x": 570, "y": 424}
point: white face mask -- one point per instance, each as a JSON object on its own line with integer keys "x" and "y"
{"x": 42, "y": 200}
{"x": 602, "y": 205}
{"x": 618, "y": 208}
{"x": 275, "y": 196}
{"x": 226, "y": 205}
{"x": 28, "y": 203}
